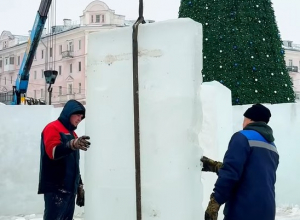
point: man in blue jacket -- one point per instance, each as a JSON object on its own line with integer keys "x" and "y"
{"x": 247, "y": 176}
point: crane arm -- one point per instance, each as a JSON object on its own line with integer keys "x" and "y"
{"x": 22, "y": 80}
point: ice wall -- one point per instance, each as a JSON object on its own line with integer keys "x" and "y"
{"x": 20, "y": 148}
{"x": 170, "y": 66}
{"x": 20, "y": 132}
{"x": 216, "y": 130}
{"x": 20, "y": 136}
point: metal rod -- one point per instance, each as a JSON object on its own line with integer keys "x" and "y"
{"x": 50, "y": 93}
{"x": 137, "y": 113}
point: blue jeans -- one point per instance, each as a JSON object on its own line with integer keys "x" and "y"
{"x": 59, "y": 206}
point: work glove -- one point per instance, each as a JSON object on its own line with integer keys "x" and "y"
{"x": 80, "y": 143}
{"x": 212, "y": 210}
{"x": 80, "y": 196}
{"x": 210, "y": 165}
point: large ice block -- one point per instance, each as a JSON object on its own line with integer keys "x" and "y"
{"x": 170, "y": 63}
{"x": 20, "y": 137}
{"x": 216, "y": 130}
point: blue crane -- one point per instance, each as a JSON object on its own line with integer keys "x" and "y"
{"x": 20, "y": 88}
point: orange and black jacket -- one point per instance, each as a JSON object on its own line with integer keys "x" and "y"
{"x": 59, "y": 164}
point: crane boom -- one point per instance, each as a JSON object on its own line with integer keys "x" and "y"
{"x": 20, "y": 88}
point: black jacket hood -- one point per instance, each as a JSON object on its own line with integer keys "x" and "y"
{"x": 262, "y": 128}
{"x": 70, "y": 108}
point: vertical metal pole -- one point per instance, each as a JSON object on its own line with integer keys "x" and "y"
{"x": 50, "y": 93}
{"x": 137, "y": 113}
{"x": 46, "y": 67}
{"x": 136, "y": 125}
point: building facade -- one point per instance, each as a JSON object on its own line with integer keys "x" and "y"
{"x": 292, "y": 58}
{"x": 64, "y": 50}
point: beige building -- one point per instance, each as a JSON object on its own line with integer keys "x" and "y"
{"x": 64, "y": 50}
{"x": 292, "y": 58}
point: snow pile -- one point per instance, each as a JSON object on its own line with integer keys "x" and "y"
{"x": 31, "y": 217}
{"x": 288, "y": 212}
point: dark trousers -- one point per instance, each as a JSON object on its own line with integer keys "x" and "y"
{"x": 59, "y": 206}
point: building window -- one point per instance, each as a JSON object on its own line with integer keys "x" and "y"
{"x": 103, "y": 18}
{"x": 71, "y": 68}
{"x": 34, "y": 74}
{"x": 79, "y": 45}
{"x": 290, "y": 62}
{"x": 289, "y": 44}
{"x": 0, "y": 63}
{"x": 6, "y": 61}
{"x": 5, "y": 44}
{"x": 35, "y": 56}
{"x": 34, "y": 94}
{"x": 60, "y": 49}
{"x": 92, "y": 19}
{"x": 70, "y": 46}
{"x": 42, "y": 54}
{"x": 42, "y": 73}
{"x": 79, "y": 88}
{"x": 59, "y": 70}
{"x": 11, "y": 60}
{"x": 10, "y": 79}
{"x": 79, "y": 66}
{"x": 42, "y": 93}
{"x": 70, "y": 88}
{"x": 97, "y": 18}
{"x": 59, "y": 90}
{"x": 51, "y": 52}
{"x": 19, "y": 60}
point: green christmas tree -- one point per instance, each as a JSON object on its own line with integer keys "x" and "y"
{"x": 242, "y": 49}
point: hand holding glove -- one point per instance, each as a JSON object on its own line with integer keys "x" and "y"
{"x": 80, "y": 196}
{"x": 212, "y": 210}
{"x": 210, "y": 165}
{"x": 80, "y": 143}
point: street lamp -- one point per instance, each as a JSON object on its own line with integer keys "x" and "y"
{"x": 50, "y": 76}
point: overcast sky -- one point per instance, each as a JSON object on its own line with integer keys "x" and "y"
{"x": 18, "y": 16}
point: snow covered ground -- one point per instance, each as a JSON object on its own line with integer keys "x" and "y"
{"x": 283, "y": 213}
{"x": 31, "y": 217}
{"x": 288, "y": 213}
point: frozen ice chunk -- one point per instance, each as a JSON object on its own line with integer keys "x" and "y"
{"x": 170, "y": 63}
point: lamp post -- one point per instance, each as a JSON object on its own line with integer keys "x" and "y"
{"x": 50, "y": 76}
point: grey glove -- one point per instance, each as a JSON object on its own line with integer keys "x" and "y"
{"x": 80, "y": 143}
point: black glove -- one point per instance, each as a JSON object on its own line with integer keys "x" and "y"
{"x": 212, "y": 210}
{"x": 80, "y": 143}
{"x": 80, "y": 196}
{"x": 210, "y": 165}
